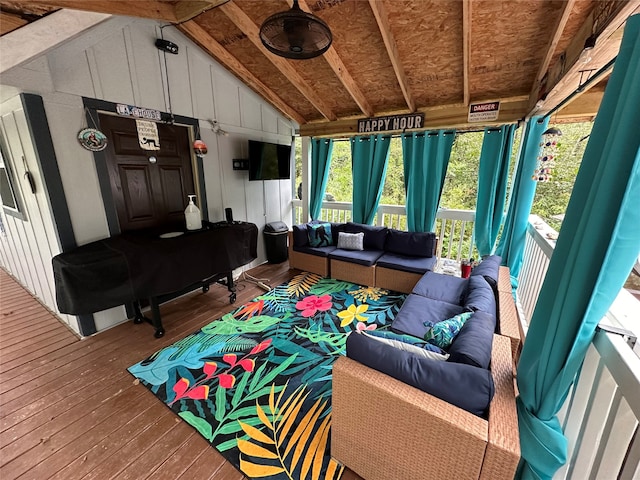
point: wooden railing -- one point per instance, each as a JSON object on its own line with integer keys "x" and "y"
{"x": 454, "y": 228}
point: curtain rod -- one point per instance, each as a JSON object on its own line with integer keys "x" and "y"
{"x": 582, "y": 87}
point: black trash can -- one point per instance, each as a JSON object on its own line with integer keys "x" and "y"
{"x": 275, "y": 242}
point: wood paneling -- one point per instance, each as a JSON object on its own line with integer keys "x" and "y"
{"x": 75, "y": 412}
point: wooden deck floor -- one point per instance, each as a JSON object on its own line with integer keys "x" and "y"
{"x": 70, "y": 410}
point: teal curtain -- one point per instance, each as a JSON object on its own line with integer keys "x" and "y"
{"x": 426, "y": 157}
{"x": 369, "y": 155}
{"x": 595, "y": 251}
{"x": 523, "y": 189}
{"x": 321, "y": 150}
{"x": 492, "y": 185}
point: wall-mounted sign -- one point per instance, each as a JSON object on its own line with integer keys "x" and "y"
{"x": 391, "y": 122}
{"x": 92, "y": 139}
{"x": 484, "y": 112}
{"x": 148, "y": 137}
{"x": 137, "y": 112}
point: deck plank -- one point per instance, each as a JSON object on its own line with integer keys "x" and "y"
{"x": 70, "y": 410}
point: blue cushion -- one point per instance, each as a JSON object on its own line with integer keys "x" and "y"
{"x": 464, "y": 386}
{"x": 300, "y": 238}
{"x": 480, "y": 296}
{"x": 317, "y": 251}
{"x": 336, "y": 228}
{"x": 417, "y": 310}
{"x": 410, "y": 339}
{"x": 415, "y": 244}
{"x": 361, "y": 257}
{"x": 319, "y": 234}
{"x": 489, "y": 268}
{"x": 473, "y": 343}
{"x": 406, "y": 263}
{"x": 442, "y": 287}
{"x": 374, "y": 237}
{"x": 443, "y": 333}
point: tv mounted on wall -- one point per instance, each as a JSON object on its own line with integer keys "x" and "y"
{"x": 269, "y": 161}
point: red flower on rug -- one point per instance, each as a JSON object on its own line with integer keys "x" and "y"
{"x": 312, "y": 304}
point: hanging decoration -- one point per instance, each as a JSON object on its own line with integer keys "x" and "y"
{"x": 92, "y": 139}
{"x": 547, "y": 155}
{"x": 148, "y": 137}
{"x": 200, "y": 148}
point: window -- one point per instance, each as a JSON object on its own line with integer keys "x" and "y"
{"x": 8, "y": 193}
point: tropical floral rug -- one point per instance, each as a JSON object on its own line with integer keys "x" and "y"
{"x": 256, "y": 383}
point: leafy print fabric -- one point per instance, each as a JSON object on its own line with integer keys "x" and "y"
{"x": 256, "y": 383}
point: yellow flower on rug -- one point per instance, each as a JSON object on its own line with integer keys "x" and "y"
{"x": 352, "y": 313}
{"x": 365, "y": 293}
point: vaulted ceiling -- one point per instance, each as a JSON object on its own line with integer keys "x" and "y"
{"x": 400, "y": 56}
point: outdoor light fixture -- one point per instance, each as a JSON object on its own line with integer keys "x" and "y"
{"x": 217, "y": 129}
{"x": 546, "y": 158}
{"x": 589, "y": 44}
{"x": 295, "y": 34}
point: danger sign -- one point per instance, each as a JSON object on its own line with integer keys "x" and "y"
{"x": 484, "y": 112}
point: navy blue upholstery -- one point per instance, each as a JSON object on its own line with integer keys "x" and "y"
{"x": 464, "y": 386}
{"x": 417, "y": 310}
{"x": 473, "y": 343}
{"x": 415, "y": 244}
{"x": 442, "y": 287}
{"x": 374, "y": 237}
{"x": 489, "y": 268}
{"x": 300, "y": 236}
{"x": 406, "y": 263}
{"x": 480, "y": 296}
{"x": 361, "y": 257}
{"x": 317, "y": 251}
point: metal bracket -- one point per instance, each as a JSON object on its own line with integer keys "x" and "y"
{"x": 628, "y": 335}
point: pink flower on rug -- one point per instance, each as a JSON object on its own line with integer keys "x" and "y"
{"x": 312, "y": 304}
{"x": 261, "y": 346}
{"x": 210, "y": 369}
{"x": 226, "y": 380}
{"x": 361, "y": 326}
{"x": 248, "y": 364}
{"x": 230, "y": 358}
{"x": 198, "y": 393}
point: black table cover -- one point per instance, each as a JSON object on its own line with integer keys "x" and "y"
{"x": 140, "y": 264}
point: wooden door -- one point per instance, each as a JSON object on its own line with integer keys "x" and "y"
{"x": 149, "y": 187}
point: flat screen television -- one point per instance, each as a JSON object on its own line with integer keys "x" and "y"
{"x": 269, "y": 161}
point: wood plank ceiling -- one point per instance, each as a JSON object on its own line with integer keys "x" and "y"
{"x": 399, "y": 56}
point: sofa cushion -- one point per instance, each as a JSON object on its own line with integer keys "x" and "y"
{"x": 407, "y": 347}
{"x": 320, "y": 234}
{"x": 489, "y": 268}
{"x": 410, "y": 339}
{"x": 374, "y": 237}
{"x": 351, "y": 241}
{"x": 317, "y": 251}
{"x": 361, "y": 257}
{"x": 473, "y": 343}
{"x": 442, "y": 287}
{"x": 443, "y": 333}
{"x": 336, "y": 228}
{"x": 406, "y": 263}
{"x": 300, "y": 236}
{"x": 415, "y": 244}
{"x": 464, "y": 386}
{"x": 479, "y": 296}
{"x": 417, "y": 310}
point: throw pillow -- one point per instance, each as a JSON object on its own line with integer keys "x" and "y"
{"x": 443, "y": 333}
{"x": 319, "y": 234}
{"x": 408, "y": 339}
{"x": 350, "y": 241}
{"x": 405, "y": 347}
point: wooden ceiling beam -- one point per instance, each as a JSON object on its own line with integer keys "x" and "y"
{"x": 392, "y": 50}
{"x": 446, "y": 116}
{"x": 586, "y": 105}
{"x": 252, "y": 31}
{"x": 338, "y": 67}
{"x": 186, "y": 10}
{"x": 143, "y": 8}
{"x": 9, "y": 22}
{"x": 558, "y": 28}
{"x": 607, "y": 47}
{"x": 466, "y": 48}
{"x": 206, "y": 41}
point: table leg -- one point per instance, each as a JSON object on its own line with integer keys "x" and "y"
{"x": 156, "y": 320}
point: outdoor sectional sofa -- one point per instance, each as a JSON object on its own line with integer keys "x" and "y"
{"x": 433, "y": 418}
{"x": 391, "y": 258}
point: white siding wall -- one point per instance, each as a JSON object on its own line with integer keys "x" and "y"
{"x": 118, "y": 62}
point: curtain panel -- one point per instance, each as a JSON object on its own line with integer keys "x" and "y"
{"x": 426, "y": 158}
{"x": 596, "y": 249}
{"x": 492, "y": 185}
{"x": 321, "y": 150}
{"x": 523, "y": 189}
{"x": 369, "y": 156}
